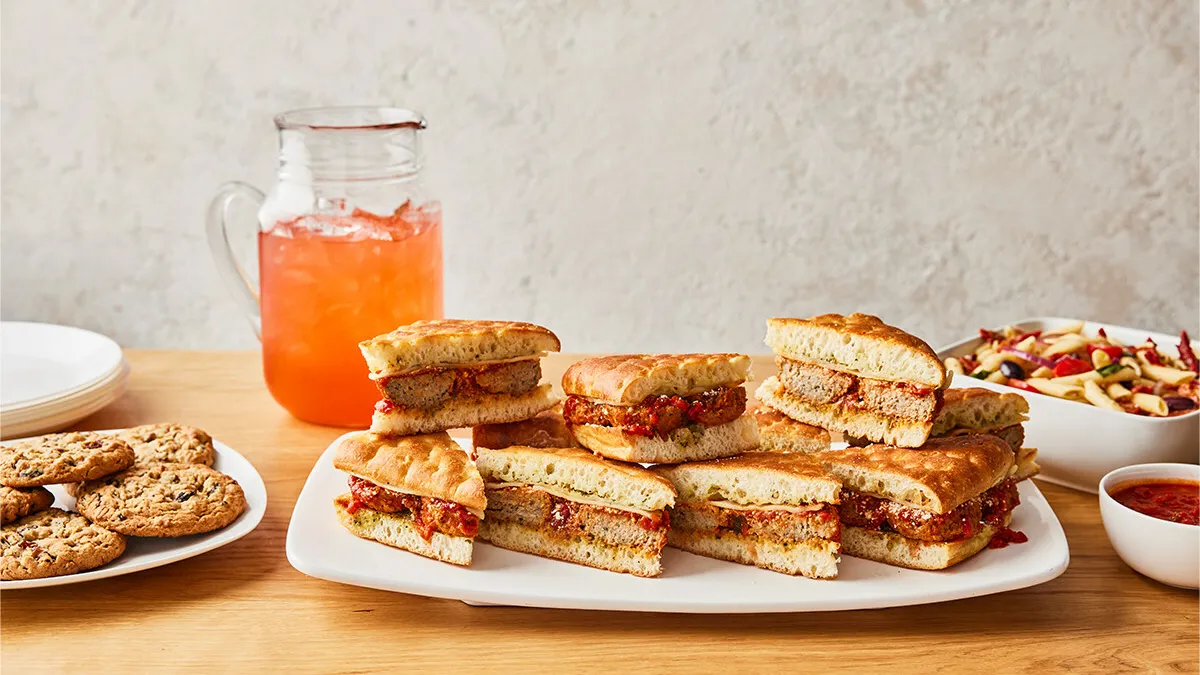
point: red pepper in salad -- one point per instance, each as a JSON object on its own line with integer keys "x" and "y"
{"x": 1186, "y": 354}
{"x": 1114, "y": 352}
{"x": 1021, "y": 384}
{"x": 1069, "y": 365}
{"x": 1150, "y": 354}
{"x": 990, "y": 335}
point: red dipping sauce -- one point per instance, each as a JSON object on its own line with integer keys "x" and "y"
{"x": 1175, "y": 500}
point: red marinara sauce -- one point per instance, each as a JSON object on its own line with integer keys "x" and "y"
{"x": 1175, "y": 500}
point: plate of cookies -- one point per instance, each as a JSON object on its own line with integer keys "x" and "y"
{"x": 87, "y": 505}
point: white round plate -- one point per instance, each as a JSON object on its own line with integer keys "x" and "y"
{"x": 57, "y": 415}
{"x": 41, "y": 362}
{"x": 143, "y": 554}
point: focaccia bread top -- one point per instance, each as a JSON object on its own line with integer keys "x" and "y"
{"x": 624, "y": 379}
{"x": 937, "y": 477}
{"x": 455, "y": 342}
{"x": 579, "y": 474}
{"x": 980, "y": 410}
{"x": 755, "y": 479}
{"x": 430, "y": 465}
{"x": 860, "y": 344}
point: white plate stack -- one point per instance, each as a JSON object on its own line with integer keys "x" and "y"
{"x": 53, "y": 376}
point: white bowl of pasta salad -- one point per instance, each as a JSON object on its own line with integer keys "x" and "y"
{"x": 1100, "y": 396}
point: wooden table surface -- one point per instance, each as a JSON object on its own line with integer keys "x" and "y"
{"x": 243, "y": 607}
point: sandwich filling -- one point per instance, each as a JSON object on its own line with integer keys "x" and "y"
{"x": 428, "y": 514}
{"x": 660, "y": 415}
{"x": 884, "y": 515}
{"x": 429, "y": 388}
{"x": 820, "y": 385}
{"x": 773, "y": 523}
{"x": 555, "y": 516}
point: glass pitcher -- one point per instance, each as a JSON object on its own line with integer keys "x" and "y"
{"x": 349, "y": 246}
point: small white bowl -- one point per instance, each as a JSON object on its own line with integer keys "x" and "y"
{"x": 1079, "y": 443}
{"x": 1162, "y": 550}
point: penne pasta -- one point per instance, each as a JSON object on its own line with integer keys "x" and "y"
{"x": 1055, "y": 388}
{"x": 1071, "y": 342}
{"x": 1117, "y": 392}
{"x": 1151, "y": 404}
{"x": 954, "y": 365}
{"x": 1122, "y": 375}
{"x": 1027, "y": 345}
{"x": 1078, "y": 380}
{"x": 1172, "y": 376}
{"x": 1096, "y": 396}
{"x": 1072, "y": 327}
{"x": 1081, "y": 362}
{"x": 992, "y": 361}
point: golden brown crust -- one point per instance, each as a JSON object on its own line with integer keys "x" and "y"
{"x": 629, "y": 378}
{"x": 844, "y": 341}
{"x": 431, "y": 465}
{"x": 779, "y": 433}
{"x": 448, "y": 342}
{"x": 545, "y": 430}
{"x": 951, "y": 470}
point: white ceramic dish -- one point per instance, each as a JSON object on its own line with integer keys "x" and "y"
{"x": 42, "y": 362}
{"x": 60, "y": 414}
{"x": 143, "y": 554}
{"x": 318, "y": 546}
{"x": 1079, "y": 443}
{"x": 1162, "y": 550}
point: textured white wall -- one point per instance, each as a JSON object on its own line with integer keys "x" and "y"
{"x": 658, "y": 176}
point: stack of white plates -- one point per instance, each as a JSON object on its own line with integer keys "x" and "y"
{"x": 53, "y": 376}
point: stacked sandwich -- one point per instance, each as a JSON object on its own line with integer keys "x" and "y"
{"x": 601, "y": 508}
{"x": 411, "y": 485}
{"x": 686, "y": 414}
{"x": 930, "y": 476}
{"x": 856, "y": 375}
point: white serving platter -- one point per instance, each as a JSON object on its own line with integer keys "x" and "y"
{"x": 143, "y": 554}
{"x": 1079, "y": 443}
{"x": 319, "y": 547}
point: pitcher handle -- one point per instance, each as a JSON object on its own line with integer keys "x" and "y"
{"x": 231, "y": 272}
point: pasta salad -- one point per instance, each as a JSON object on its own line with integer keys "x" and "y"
{"x": 1098, "y": 370}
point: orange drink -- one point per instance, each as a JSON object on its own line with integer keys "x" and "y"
{"x": 329, "y": 282}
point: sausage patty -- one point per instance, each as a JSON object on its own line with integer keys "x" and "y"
{"x": 560, "y": 517}
{"x": 660, "y": 415}
{"x": 431, "y": 387}
{"x": 818, "y": 384}
{"x": 873, "y": 513}
{"x": 819, "y": 523}
{"x": 429, "y": 514}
